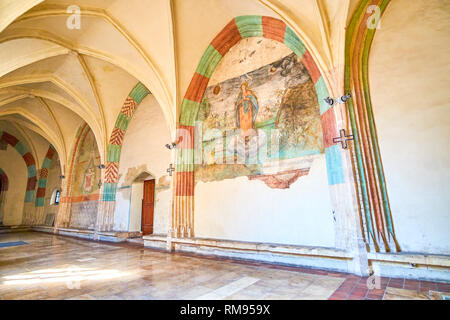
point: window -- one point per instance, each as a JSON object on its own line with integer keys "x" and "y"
{"x": 55, "y": 197}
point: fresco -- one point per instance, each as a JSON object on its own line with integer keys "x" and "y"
{"x": 87, "y": 173}
{"x": 261, "y": 124}
{"x": 85, "y": 192}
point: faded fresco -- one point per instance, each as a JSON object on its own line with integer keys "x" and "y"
{"x": 87, "y": 173}
{"x": 275, "y": 107}
{"x": 85, "y": 191}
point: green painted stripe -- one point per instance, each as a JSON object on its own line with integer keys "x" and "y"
{"x": 294, "y": 43}
{"x": 122, "y": 121}
{"x": 109, "y": 191}
{"x": 189, "y": 112}
{"x": 29, "y": 196}
{"x": 249, "y": 26}
{"x": 79, "y": 131}
{"x": 322, "y": 93}
{"x": 21, "y": 148}
{"x": 335, "y": 170}
{"x": 210, "y": 59}
{"x": 185, "y": 160}
{"x": 46, "y": 163}
{"x": 40, "y": 202}
{"x": 31, "y": 171}
{"x": 42, "y": 183}
{"x": 113, "y": 154}
{"x": 139, "y": 92}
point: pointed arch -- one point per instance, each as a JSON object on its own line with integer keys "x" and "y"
{"x": 42, "y": 183}
{"x": 237, "y": 29}
{"x": 135, "y": 97}
{"x": 30, "y": 162}
{"x": 64, "y": 211}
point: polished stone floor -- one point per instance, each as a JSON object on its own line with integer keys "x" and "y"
{"x": 56, "y": 267}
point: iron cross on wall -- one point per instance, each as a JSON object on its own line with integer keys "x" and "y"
{"x": 170, "y": 170}
{"x": 343, "y": 139}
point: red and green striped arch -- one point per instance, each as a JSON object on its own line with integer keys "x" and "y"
{"x": 371, "y": 180}
{"x": 29, "y": 161}
{"x": 137, "y": 94}
{"x": 237, "y": 29}
{"x": 43, "y": 175}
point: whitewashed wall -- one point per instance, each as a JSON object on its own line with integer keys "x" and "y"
{"x": 410, "y": 77}
{"x": 240, "y": 209}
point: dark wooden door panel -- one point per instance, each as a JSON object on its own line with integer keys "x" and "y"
{"x": 148, "y": 206}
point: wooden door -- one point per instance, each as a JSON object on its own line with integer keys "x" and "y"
{"x": 148, "y": 206}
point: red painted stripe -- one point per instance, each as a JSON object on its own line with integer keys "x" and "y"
{"x": 329, "y": 127}
{"x": 197, "y": 87}
{"x": 185, "y": 136}
{"x": 185, "y": 184}
{"x": 29, "y": 159}
{"x": 40, "y": 193}
{"x": 9, "y": 139}
{"x": 50, "y": 153}
{"x": 273, "y": 29}
{"x": 311, "y": 65}
{"x": 227, "y": 38}
{"x": 31, "y": 183}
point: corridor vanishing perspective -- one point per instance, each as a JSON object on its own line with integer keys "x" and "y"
{"x": 224, "y": 149}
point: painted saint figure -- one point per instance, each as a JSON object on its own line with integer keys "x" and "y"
{"x": 89, "y": 176}
{"x": 246, "y": 110}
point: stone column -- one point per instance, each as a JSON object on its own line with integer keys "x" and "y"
{"x": 64, "y": 209}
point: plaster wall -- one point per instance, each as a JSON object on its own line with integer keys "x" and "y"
{"x": 409, "y": 76}
{"x": 144, "y": 150}
{"x": 240, "y": 209}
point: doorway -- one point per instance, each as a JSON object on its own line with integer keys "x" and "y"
{"x": 148, "y": 205}
{"x": 141, "y": 217}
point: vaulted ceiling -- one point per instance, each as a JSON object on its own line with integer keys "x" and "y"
{"x": 52, "y": 78}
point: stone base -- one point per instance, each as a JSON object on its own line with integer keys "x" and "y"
{"x": 88, "y": 234}
{"x": 315, "y": 257}
{"x": 45, "y": 229}
{"x": 156, "y": 241}
{"x": 411, "y": 266}
{"x": 9, "y": 229}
